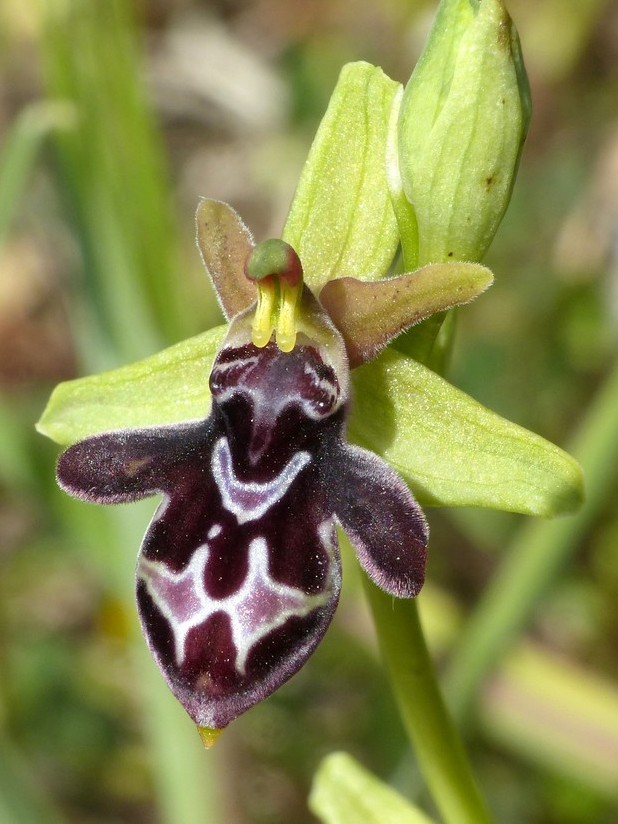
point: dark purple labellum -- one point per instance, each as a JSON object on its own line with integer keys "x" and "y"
{"x": 239, "y": 572}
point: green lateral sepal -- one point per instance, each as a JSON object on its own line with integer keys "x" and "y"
{"x": 169, "y": 387}
{"x": 453, "y": 451}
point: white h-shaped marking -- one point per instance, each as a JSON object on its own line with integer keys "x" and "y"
{"x": 250, "y": 500}
{"x": 258, "y": 607}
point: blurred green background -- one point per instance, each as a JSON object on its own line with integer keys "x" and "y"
{"x": 114, "y": 118}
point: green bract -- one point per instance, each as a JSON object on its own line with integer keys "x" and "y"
{"x": 341, "y": 221}
{"x": 343, "y": 792}
{"x": 463, "y": 119}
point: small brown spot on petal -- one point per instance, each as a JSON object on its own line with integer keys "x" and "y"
{"x": 133, "y": 467}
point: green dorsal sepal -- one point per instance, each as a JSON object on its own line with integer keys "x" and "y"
{"x": 276, "y": 270}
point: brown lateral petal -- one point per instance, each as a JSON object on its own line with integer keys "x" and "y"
{"x": 225, "y": 243}
{"x": 369, "y": 314}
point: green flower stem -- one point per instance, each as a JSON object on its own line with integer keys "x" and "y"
{"x": 539, "y": 552}
{"x": 439, "y": 750}
{"x": 441, "y": 756}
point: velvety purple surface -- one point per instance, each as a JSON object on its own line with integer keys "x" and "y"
{"x": 239, "y": 572}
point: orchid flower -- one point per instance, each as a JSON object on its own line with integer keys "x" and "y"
{"x": 239, "y": 573}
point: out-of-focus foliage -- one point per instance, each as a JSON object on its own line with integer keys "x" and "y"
{"x": 137, "y": 115}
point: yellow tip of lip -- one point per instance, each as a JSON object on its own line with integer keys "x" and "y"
{"x": 209, "y": 736}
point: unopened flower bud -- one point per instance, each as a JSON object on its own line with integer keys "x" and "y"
{"x": 463, "y": 120}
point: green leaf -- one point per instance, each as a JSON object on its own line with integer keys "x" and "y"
{"x": 20, "y": 153}
{"x": 169, "y": 387}
{"x": 343, "y": 792}
{"x": 451, "y": 449}
{"x": 111, "y": 175}
{"x": 341, "y": 221}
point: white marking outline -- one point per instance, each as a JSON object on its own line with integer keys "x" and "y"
{"x": 232, "y": 489}
{"x": 326, "y": 385}
{"x": 214, "y": 531}
{"x": 254, "y": 394}
{"x": 245, "y": 363}
{"x": 257, "y": 580}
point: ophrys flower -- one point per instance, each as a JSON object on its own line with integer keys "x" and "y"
{"x": 239, "y": 573}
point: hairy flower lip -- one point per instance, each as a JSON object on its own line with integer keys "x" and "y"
{"x": 239, "y": 573}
